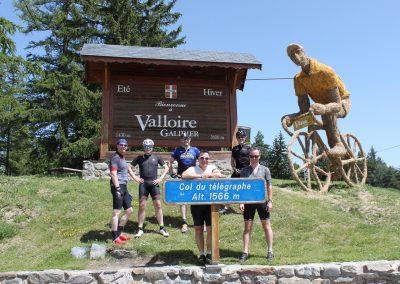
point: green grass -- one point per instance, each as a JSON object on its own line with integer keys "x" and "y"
{"x": 42, "y": 218}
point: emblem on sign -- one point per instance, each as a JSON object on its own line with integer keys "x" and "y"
{"x": 171, "y": 91}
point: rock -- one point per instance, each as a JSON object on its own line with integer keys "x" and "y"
{"x": 97, "y": 251}
{"x": 79, "y": 252}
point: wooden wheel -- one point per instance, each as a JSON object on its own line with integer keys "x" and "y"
{"x": 354, "y": 164}
{"x": 308, "y": 161}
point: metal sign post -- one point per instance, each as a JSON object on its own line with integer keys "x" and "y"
{"x": 214, "y": 192}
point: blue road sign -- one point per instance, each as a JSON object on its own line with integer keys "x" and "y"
{"x": 214, "y": 191}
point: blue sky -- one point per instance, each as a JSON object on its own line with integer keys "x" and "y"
{"x": 357, "y": 38}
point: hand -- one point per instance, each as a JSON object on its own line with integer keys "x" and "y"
{"x": 287, "y": 121}
{"x": 241, "y": 207}
{"x": 118, "y": 193}
{"x": 269, "y": 206}
{"x": 318, "y": 109}
{"x": 139, "y": 180}
{"x": 156, "y": 181}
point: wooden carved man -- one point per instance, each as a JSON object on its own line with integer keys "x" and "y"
{"x": 331, "y": 99}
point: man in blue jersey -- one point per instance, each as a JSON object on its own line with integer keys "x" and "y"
{"x": 121, "y": 198}
{"x": 186, "y": 157}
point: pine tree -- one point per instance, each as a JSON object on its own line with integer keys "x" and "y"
{"x": 264, "y": 148}
{"x": 14, "y": 131}
{"x": 142, "y": 23}
{"x": 67, "y": 112}
{"x": 279, "y": 165}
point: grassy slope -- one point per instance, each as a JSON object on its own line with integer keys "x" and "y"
{"x": 55, "y": 214}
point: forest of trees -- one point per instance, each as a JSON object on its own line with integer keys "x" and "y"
{"x": 50, "y": 118}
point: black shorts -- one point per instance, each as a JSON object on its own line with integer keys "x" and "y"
{"x": 147, "y": 188}
{"x": 250, "y": 211}
{"x": 123, "y": 200}
{"x": 201, "y": 214}
{"x": 235, "y": 175}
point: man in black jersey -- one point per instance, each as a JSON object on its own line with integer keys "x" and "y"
{"x": 239, "y": 159}
{"x": 149, "y": 185}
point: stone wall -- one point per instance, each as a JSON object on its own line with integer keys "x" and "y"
{"x": 100, "y": 170}
{"x": 381, "y": 272}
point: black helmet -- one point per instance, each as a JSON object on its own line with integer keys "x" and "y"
{"x": 240, "y": 133}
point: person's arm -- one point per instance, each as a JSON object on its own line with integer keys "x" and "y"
{"x": 216, "y": 173}
{"x": 135, "y": 177}
{"x": 164, "y": 173}
{"x": 114, "y": 179}
{"x": 171, "y": 161}
{"x": 190, "y": 173}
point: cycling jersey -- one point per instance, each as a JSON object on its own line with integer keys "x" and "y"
{"x": 118, "y": 163}
{"x": 148, "y": 166}
{"x": 240, "y": 153}
{"x": 185, "y": 158}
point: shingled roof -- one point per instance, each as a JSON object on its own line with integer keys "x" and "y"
{"x": 168, "y": 56}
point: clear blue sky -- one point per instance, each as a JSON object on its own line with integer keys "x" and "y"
{"x": 357, "y": 38}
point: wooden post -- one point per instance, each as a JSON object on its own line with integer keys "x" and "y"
{"x": 215, "y": 233}
{"x": 105, "y": 114}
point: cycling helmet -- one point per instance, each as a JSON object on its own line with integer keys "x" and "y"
{"x": 148, "y": 142}
{"x": 241, "y": 133}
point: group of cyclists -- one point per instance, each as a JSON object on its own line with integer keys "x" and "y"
{"x": 244, "y": 162}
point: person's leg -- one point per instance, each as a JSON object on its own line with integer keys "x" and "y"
{"x": 266, "y": 224}
{"x": 158, "y": 212}
{"x": 199, "y": 238}
{"x": 184, "y": 221}
{"x": 248, "y": 227}
{"x": 142, "y": 212}
{"x": 114, "y": 223}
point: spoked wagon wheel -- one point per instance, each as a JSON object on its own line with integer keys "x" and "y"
{"x": 308, "y": 161}
{"x": 354, "y": 164}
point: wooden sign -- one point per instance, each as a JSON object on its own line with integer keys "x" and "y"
{"x": 152, "y": 107}
{"x": 303, "y": 121}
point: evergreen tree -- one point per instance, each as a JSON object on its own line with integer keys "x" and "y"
{"x": 279, "y": 165}
{"x": 142, "y": 23}
{"x": 66, "y": 112}
{"x": 264, "y": 148}
{"x": 379, "y": 174}
{"x": 14, "y": 131}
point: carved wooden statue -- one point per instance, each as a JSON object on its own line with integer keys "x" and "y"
{"x": 331, "y": 99}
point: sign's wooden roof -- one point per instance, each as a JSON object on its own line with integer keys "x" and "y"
{"x": 168, "y": 56}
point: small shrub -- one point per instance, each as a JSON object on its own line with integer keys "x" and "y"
{"x": 7, "y": 230}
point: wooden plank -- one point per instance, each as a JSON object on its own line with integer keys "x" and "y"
{"x": 105, "y": 114}
{"x": 215, "y": 233}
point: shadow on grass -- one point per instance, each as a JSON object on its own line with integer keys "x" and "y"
{"x": 173, "y": 222}
{"x": 173, "y": 257}
{"x": 96, "y": 235}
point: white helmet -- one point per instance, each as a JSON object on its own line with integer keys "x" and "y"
{"x": 148, "y": 142}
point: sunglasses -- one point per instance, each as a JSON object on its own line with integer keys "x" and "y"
{"x": 123, "y": 145}
{"x": 204, "y": 158}
{"x": 148, "y": 147}
{"x": 254, "y": 157}
{"x": 241, "y": 137}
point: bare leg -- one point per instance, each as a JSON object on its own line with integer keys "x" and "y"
{"x": 266, "y": 224}
{"x": 125, "y": 218}
{"x": 114, "y": 219}
{"x": 248, "y": 226}
{"x": 199, "y": 238}
{"x": 141, "y": 212}
{"x": 158, "y": 211}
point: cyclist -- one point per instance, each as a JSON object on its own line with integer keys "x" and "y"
{"x": 186, "y": 156}
{"x": 149, "y": 185}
